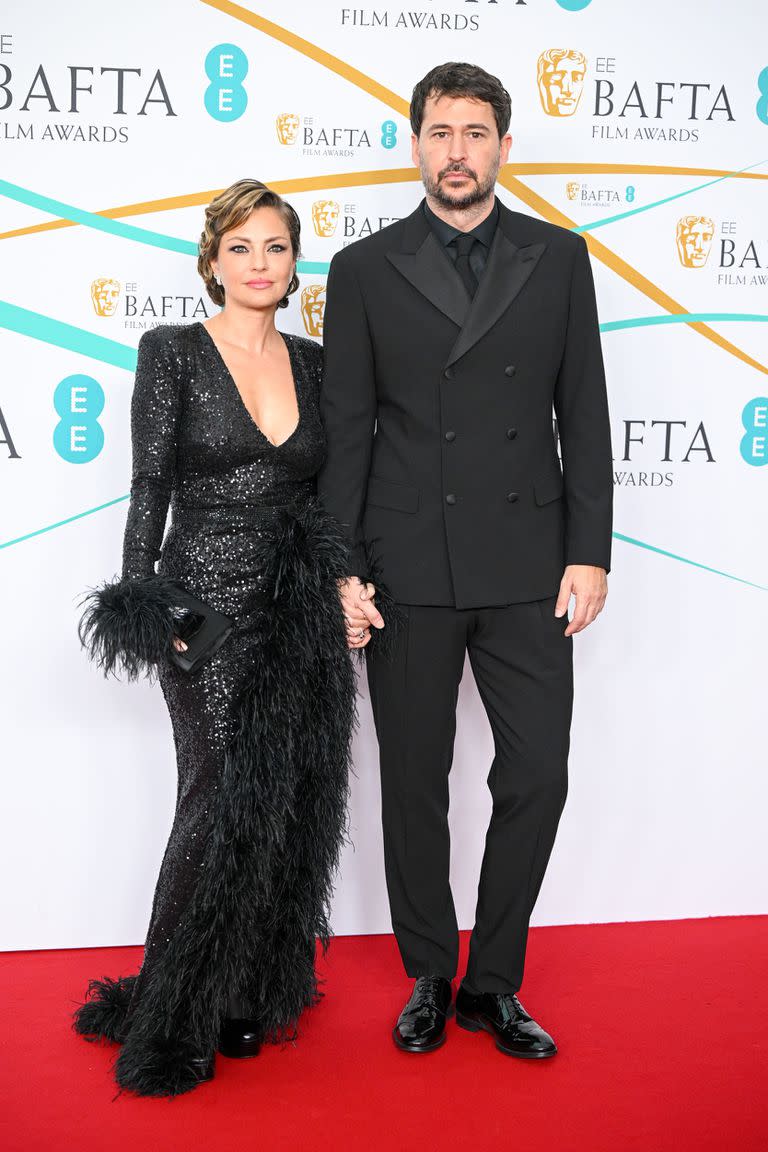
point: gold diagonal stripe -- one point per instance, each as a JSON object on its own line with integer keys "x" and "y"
{"x": 623, "y": 269}
{"x": 194, "y": 199}
{"x": 522, "y": 191}
{"x": 319, "y": 55}
{"x": 377, "y": 176}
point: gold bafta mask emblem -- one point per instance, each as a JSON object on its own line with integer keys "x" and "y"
{"x": 105, "y": 294}
{"x": 313, "y": 308}
{"x": 560, "y": 76}
{"x": 694, "y": 240}
{"x": 572, "y": 189}
{"x": 287, "y": 125}
{"x": 325, "y": 217}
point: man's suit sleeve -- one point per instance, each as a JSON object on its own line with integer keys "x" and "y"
{"x": 581, "y": 408}
{"x": 348, "y": 407}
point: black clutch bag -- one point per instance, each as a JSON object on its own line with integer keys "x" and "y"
{"x": 201, "y": 627}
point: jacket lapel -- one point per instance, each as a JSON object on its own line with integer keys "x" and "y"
{"x": 429, "y": 270}
{"x": 421, "y": 261}
{"x": 505, "y": 275}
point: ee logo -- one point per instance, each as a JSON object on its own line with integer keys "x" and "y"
{"x": 754, "y": 444}
{"x": 574, "y": 5}
{"x": 762, "y": 104}
{"x": 226, "y": 66}
{"x": 79, "y": 401}
{"x": 388, "y": 134}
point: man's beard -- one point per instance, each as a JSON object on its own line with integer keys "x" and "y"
{"x": 481, "y": 191}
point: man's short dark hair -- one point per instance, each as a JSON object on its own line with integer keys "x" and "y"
{"x": 465, "y": 80}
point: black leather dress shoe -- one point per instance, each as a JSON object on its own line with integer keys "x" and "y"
{"x": 500, "y": 1013}
{"x": 240, "y": 1038}
{"x": 421, "y": 1024}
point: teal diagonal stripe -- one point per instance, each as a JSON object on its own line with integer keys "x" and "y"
{"x": 682, "y": 318}
{"x": 126, "y": 231}
{"x": 61, "y": 523}
{"x": 685, "y": 560}
{"x": 67, "y": 336}
{"x": 657, "y": 203}
{"x": 93, "y": 220}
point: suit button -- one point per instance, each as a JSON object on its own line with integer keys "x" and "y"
{"x": 450, "y": 437}
{"x": 511, "y": 497}
{"x": 448, "y": 373}
{"x": 510, "y": 370}
{"x": 450, "y": 498}
{"x": 511, "y": 433}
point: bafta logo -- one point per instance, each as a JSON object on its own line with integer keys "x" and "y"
{"x": 560, "y": 76}
{"x": 313, "y": 308}
{"x": 694, "y": 240}
{"x": 105, "y": 293}
{"x": 572, "y": 190}
{"x": 287, "y": 125}
{"x": 325, "y": 217}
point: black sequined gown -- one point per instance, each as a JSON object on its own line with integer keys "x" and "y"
{"x": 262, "y": 730}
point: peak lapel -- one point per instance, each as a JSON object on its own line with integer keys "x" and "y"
{"x": 506, "y": 273}
{"x": 429, "y": 270}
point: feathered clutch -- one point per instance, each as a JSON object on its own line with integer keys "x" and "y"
{"x": 129, "y": 625}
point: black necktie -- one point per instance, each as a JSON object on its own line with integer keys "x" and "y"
{"x": 464, "y": 245}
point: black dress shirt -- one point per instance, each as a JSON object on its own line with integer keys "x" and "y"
{"x": 484, "y": 233}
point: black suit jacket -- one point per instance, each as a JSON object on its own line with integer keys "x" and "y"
{"x": 438, "y": 412}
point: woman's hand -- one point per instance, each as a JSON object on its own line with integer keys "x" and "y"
{"x": 359, "y": 611}
{"x": 357, "y": 637}
{"x": 179, "y": 644}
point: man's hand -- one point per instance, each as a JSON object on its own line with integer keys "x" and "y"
{"x": 590, "y": 587}
{"x": 360, "y": 612}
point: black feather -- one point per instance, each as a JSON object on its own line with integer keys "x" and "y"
{"x": 103, "y": 1015}
{"x": 277, "y": 826}
{"x": 127, "y": 624}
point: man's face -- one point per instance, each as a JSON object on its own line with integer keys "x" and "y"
{"x": 695, "y": 243}
{"x": 458, "y": 150}
{"x": 561, "y": 86}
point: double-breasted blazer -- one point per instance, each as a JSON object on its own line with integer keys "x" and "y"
{"x": 442, "y": 462}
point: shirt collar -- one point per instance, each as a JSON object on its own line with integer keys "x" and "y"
{"x": 446, "y": 233}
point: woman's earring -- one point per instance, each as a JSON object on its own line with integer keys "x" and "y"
{"x": 217, "y": 278}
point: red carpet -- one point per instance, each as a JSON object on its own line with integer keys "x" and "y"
{"x": 662, "y": 1031}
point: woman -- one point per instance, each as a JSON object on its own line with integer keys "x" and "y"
{"x": 225, "y": 427}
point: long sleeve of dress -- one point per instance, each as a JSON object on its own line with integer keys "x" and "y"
{"x": 154, "y": 426}
{"x": 128, "y": 624}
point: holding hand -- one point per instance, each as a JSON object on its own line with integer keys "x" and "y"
{"x": 360, "y": 612}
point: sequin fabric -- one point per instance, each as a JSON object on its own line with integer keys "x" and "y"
{"x": 197, "y": 450}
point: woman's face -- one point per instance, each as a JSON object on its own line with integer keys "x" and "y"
{"x": 255, "y": 262}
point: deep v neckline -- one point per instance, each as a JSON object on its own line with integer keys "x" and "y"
{"x": 286, "y": 340}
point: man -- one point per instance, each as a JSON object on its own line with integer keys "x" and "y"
{"x": 450, "y": 336}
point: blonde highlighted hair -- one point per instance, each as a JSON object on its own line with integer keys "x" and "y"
{"x": 229, "y": 210}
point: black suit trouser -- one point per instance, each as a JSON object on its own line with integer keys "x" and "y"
{"x": 522, "y": 665}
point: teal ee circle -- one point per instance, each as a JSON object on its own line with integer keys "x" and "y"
{"x": 762, "y": 104}
{"x": 574, "y": 5}
{"x": 388, "y": 134}
{"x": 754, "y": 443}
{"x": 79, "y": 401}
{"x": 226, "y": 66}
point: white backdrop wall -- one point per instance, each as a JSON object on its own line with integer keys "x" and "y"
{"x": 663, "y": 118}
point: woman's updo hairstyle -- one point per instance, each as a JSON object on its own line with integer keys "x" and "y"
{"x": 229, "y": 210}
